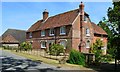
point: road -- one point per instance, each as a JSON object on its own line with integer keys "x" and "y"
{"x": 15, "y": 63}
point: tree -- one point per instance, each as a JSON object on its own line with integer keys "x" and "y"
{"x": 114, "y": 19}
{"x": 105, "y": 25}
{"x": 96, "y": 49}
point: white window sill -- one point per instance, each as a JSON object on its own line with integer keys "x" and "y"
{"x": 62, "y": 33}
{"x": 51, "y": 34}
{"x": 43, "y": 47}
{"x": 87, "y": 34}
{"x": 30, "y": 36}
{"x": 87, "y": 47}
{"x": 42, "y": 35}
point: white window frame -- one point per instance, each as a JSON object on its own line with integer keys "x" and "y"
{"x": 88, "y": 44}
{"x": 42, "y": 33}
{"x": 62, "y": 30}
{"x": 30, "y": 35}
{"x": 52, "y": 32}
{"x": 43, "y": 46}
{"x": 87, "y": 32}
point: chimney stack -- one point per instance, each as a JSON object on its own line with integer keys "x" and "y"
{"x": 45, "y": 15}
{"x": 81, "y": 8}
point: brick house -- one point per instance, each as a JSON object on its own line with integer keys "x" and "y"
{"x": 72, "y": 29}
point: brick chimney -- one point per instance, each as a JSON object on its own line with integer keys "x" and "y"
{"x": 45, "y": 15}
{"x": 81, "y": 10}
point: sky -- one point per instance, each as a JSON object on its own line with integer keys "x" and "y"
{"x": 21, "y": 15}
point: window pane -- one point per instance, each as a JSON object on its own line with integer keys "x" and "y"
{"x": 62, "y": 30}
{"x": 43, "y": 33}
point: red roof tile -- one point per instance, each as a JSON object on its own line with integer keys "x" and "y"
{"x": 55, "y": 21}
{"x": 35, "y": 26}
{"x": 97, "y": 29}
{"x": 9, "y": 38}
{"x": 62, "y": 19}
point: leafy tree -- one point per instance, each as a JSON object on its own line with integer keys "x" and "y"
{"x": 96, "y": 49}
{"x": 112, "y": 27}
{"x": 114, "y": 19}
{"x": 25, "y": 46}
{"x": 56, "y": 49}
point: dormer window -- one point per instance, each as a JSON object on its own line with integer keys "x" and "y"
{"x": 30, "y": 35}
{"x": 52, "y": 32}
{"x": 62, "y": 30}
{"x": 43, "y": 33}
{"x": 87, "y": 32}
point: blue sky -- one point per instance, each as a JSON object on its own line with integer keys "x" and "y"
{"x": 21, "y": 15}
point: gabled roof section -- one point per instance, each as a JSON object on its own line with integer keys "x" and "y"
{"x": 98, "y": 30}
{"x": 19, "y": 35}
{"x": 35, "y": 26}
{"x": 9, "y": 39}
{"x": 62, "y": 19}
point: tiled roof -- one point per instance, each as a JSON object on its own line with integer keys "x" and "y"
{"x": 97, "y": 29}
{"x": 62, "y": 19}
{"x": 9, "y": 38}
{"x": 56, "y": 21}
{"x": 19, "y": 35}
{"x": 35, "y": 26}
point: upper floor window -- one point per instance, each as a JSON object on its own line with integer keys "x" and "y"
{"x": 88, "y": 44}
{"x": 30, "y": 35}
{"x": 62, "y": 30}
{"x": 85, "y": 18}
{"x": 87, "y": 32}
{"x": 43, "y": 44}
{"x": 43, "y": 33}
{"x": 52, "y": 32}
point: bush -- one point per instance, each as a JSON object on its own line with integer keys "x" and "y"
{"x": 106, "y": 58}
{"x": 25, "y": 46}
{"x": 76, "y": 57}
{"x": 56, "y": 49}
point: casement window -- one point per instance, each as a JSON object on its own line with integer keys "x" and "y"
{"x": 63, "y": 43}
{"x": 87, "y": 32}
{"x": 30, "y": 35}
{"x": 88, "y": 44}
{"x": 52, "y": 32}
{"x": 62, "y": 30}
{"x": 43, "y": 33}
{"x": 43, "y": 44}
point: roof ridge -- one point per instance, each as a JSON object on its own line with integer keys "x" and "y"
{"x": 15, "y": 29}
{"x": 63, "y": 13}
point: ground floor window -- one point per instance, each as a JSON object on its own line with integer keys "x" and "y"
{"x": 88, "y": 44}
{"x": 43, "y": 44}
{"x": 63, "y": 43}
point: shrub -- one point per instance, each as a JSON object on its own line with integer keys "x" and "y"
{"x": 25, "y": 46}
{"x": 56, "y": 49}
{"x": 76, "y": 57}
